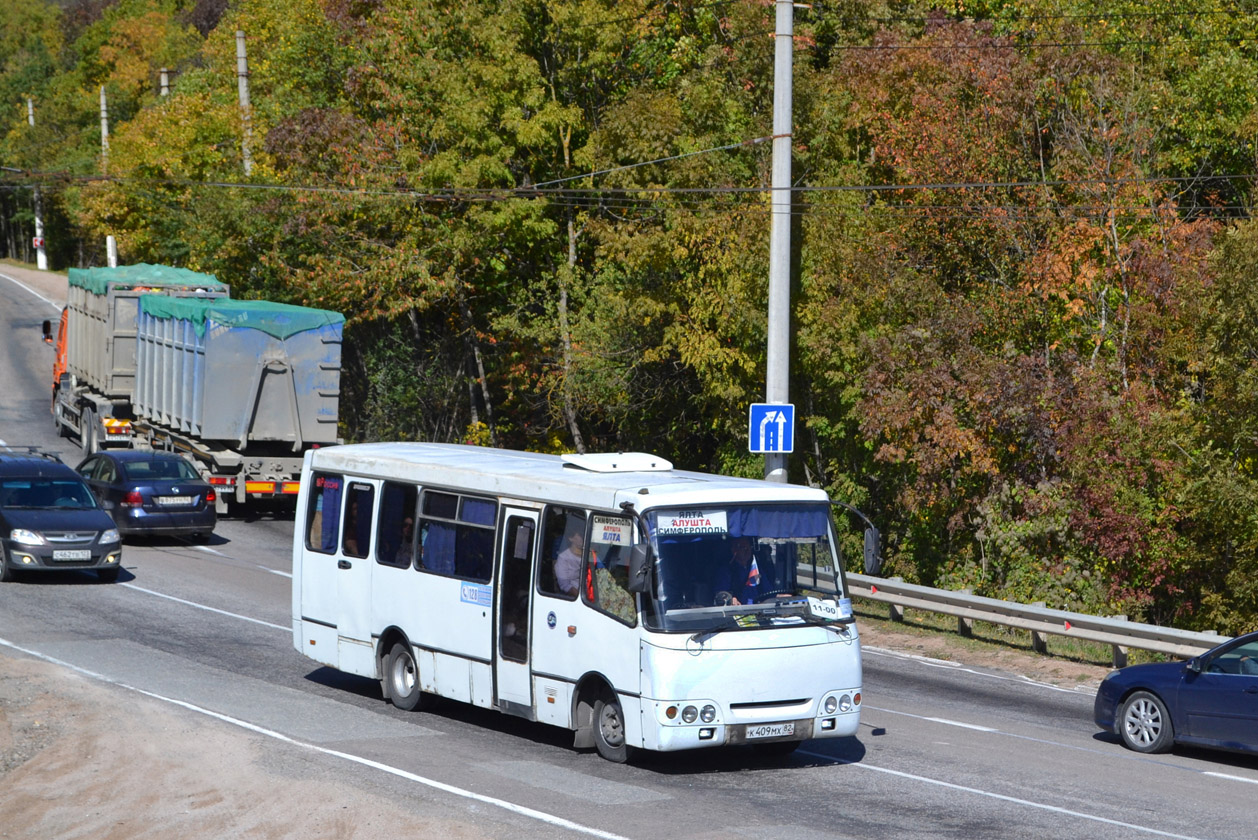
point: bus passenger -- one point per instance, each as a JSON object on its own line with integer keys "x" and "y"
{"x": 406, "y": 549}
{"x": 568, "y": 564}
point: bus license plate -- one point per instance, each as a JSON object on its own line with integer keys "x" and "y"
{"x": 770, "y": 730}
{"x": 174, "y": 500}
{"x": 72, "y": 554}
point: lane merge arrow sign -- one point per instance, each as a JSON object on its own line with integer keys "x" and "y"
{"x": 771, "y": 428}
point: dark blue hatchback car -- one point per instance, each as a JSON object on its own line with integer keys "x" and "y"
{"x": 151, "y": 492}
{"x": 1210, "y": 701}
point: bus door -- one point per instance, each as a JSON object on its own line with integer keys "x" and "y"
{"x": 512, "y": 608}
{"x": 354, "y": 569}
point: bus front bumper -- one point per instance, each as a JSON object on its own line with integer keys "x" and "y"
{"x": 700, "y": 735}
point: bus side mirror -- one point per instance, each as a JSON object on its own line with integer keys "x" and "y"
{"x": 47, "y": 332}
{"x": 873, "y": 553}
{"x": 640, "y": 568}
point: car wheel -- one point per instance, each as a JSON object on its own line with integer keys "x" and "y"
{"x": 1144, "y": 723}
{"x": 108, "y": 575}
{"x": 401, "y": 680}
{"x": 6, "y": 573}
{"x": 609, "y": 729}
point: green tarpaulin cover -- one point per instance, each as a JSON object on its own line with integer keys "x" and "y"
{"x": 278, "y": 319}
{"x": 96, "y": 280}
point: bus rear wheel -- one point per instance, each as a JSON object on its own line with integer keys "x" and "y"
{"x": 609, "y": 729}
{"x": 401, "y": 680}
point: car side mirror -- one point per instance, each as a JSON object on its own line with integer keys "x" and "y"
{"x": 639, "y": 568}
{"x": 47, "y": 332}
{"x": 1194, "y": 665}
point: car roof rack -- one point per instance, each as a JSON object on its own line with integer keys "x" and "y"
{"x": 29, "y": 452}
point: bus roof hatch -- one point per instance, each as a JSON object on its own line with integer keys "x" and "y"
{"x": 617, "y": 462}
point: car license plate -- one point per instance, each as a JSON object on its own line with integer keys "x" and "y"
{"x": 72, "y": 554}
{"x": 174, "y": 500}
{"x": 770, "y": 730}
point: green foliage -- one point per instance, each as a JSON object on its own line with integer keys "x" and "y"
{"x": 1024, "y": 335}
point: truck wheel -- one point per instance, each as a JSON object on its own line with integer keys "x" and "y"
{"x": 57, "y": 424}
{"x": 87, "y": 432}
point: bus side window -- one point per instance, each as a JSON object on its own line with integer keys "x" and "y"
{"x": 558, "y": 566}
{"x": 357, "y": 532}
{"x": 323, "y": 512}
{"x": 607, "y": 569}
{"x": 457, "y": 535}
{"x": 395, "y": 530}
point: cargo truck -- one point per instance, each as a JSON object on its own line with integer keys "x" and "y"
{"x": 152, "y": 357}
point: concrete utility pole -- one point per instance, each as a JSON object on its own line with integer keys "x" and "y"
{"x": 111, "y": 251}
{"x": 246, "y": 117}
{"x": 104, "y": 133}
{"x": 165, "y": 86}
{"x": 778, "y": 367}
{"x": 41, "y": 254}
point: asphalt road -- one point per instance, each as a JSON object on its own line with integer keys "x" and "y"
{"x": 944, "y": 751}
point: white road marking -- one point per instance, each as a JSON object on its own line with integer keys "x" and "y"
{"x": 1056, "y": 809}
{"x": 954, "y": 666}
{"x": 218, "y": 553}
{"x": 975, "y": 727}
{"x": 204, "y": 607}
{"x": 1230, "y": 776}
{"x": 51, "y": 303}
{"x": 541, "y": 816}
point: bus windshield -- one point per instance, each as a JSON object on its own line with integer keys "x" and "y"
{"x": 740, "y": 566}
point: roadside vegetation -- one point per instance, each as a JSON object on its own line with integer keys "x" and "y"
{"x": 1026, "y": 327}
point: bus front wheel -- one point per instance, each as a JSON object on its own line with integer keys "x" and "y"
{"x": 609, "y": 729}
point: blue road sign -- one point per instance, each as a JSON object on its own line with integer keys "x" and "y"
{"x": 771, "y": 428}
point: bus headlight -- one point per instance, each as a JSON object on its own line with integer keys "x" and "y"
{"x": 708, "y": 714}
{"x": 831, "y": 704}
{"x": 689, "y": 714}
{"x": 845, "y": 703}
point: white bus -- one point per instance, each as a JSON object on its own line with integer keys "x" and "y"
{"x": 637, "y": 605}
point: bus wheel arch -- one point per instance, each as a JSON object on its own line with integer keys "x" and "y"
{"x": 599, "y": 719}
{"x": 399, "y": 673}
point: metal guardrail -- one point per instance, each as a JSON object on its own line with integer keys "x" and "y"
{"x": 1038, "y": 619}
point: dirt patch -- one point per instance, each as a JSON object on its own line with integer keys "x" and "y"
{"x": 81, "y": 759}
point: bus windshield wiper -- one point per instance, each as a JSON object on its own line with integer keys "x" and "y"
{"x": 730, "y": 623}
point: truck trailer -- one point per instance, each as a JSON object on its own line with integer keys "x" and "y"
{"x": 152, "y": 357}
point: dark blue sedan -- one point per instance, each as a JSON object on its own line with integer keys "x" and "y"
{"x": 1209, "y": 701}
{"x": 151, "y": 493}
